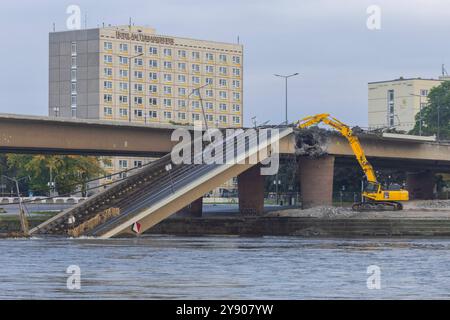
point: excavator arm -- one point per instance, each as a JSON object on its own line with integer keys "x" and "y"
{"x": 348, "y": 134}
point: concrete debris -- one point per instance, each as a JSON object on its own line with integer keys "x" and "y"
{"x": 316, "y": 212}
{"x": 428, "y": 204}
{"x": 93, "y": 222}
{"x": 311, "y": 142}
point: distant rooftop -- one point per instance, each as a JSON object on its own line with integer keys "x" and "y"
{"x": 409, "y": 79}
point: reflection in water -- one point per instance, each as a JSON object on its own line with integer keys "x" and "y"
{"x": 164, "y": 267}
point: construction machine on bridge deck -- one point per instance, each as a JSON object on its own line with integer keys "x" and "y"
{"x": 374, "y": 196}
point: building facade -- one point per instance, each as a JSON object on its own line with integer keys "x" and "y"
{"x": 395, "y": 103}
{"x": 130, "y": 73}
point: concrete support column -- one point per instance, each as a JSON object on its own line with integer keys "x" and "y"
{"x": 251, "y": 191}
{"x": 316, "y": 181}
{"x": 195, "y": 209}
{"x": 420, "y": 185}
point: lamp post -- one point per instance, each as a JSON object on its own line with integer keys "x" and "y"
{"x": 420, "y": 111}
{"x": 129, "y": 82}
{"x": 286, "y": 77}
{"x": 23, "y": 218}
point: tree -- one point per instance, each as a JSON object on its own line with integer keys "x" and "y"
{"x": 436, "y": 115}
{"x": 69, "y": 173}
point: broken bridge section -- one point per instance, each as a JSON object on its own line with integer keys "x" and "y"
{"x": 155, "y": 192}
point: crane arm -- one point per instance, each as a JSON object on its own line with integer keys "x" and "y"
{"x": 348, "y": 134}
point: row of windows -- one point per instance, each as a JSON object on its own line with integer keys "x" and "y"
{"x": 169, "y": 65}
{"x": 168, "y": 103}
{"x": 169, "y": 115}
{"x": 169, "y": 90}
{"x": 169, "y": 52}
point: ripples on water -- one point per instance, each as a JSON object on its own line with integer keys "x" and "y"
{"x": 163, "y": 267}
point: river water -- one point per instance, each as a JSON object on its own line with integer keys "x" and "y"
{"x": 166, "y": 267}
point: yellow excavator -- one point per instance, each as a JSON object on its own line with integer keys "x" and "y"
{"x": 374, "y": 197}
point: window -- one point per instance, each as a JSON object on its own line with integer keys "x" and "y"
{"x": 236, "y": 107}
{"x": 236, "y": 72}
{"x": 74, "y": 48}
{"x": 167, "y": 102}
{"x": 195, "y": 55}
{"x": 209, "y": 117}
{"x": 137, "y": 101}
{"x": 195, "y": 104}
{"x": 138, "y": 87}
{"x": 152, "y": 88}
{"x": 208, "y": 80}
{"x": 236, "y": 96}
{"x": 209, "y": 69}
{"x": 123, "y": 73}
{"x": 123, "y": 112}
{"x": 123, "y": 60}
{"x": 195, "y": 80}
{"x": 195, "y": 117}
{"x": 236, "y": 119}
{"x": 223, "y": 107}
{"x": 167, "y": 52}
{"x": 209, "y": 56}
{"x": 107, "y": 58}
{"x": 73, "y": 112}
{"x": 182, "y": 66}
{"x": 209, "y": 106}
{"x": 123, "y": 163}
{"x": 223, "y": 118}
{"x": 73, "y": 62}
{"x": 423, "y": 92}
{"x": 209, "y": 93}
{"x": 236, "y": 84}
{"x": 153, "y": 101}
{"x": 107, "y": 111}
{"x": 167, "y": 115}
{"x": 181, "y": 78}
{"x": 123, "y": 86}
{"x": 73, "y": 75}
{"x": 137, "y": 163}
{"x": 167, "y": 77}
{"x": 223, "y": 70}
{"x": 107, "y": 72}
{"x": 73, "y": 87}
{"x": 223, "y": 82}
{"x": 181, "y": 103}
{"x": 107, "y": 85}
{"x": 153, "y": 114}
{"x": 138, "y": 49}
{"x": 153, "y": 76}
{"x": 123, "y": 99}
{"x": 223, "y": 94}
{"x": 138, "y": 75}
{"x": 236, "y": 59}
{"x": 167, "y": 65}
{"x": 182, "y": 115}
{"x": 222, "y": 58}
{"x": 195, "y": 67}
{"x": 138, "y": 62}
{"x": 138, "y": 113}
{"x": 153, "y": 63}
{"x": 167, "y": 90}
{"x": 107, "y": 98}
{"x": 181, "y": 91}
{"x": 123, "y": 47}
{"x": 107, "y": 46}
{"x": 182, "y": 54}
{"x": 73, "y": 100}
{"x": 153, "y": 50}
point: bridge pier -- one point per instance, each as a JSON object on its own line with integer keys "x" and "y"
{"x": 195, "y": 209}
{"x": 251, "y": 191}
{"x": 420, "y": 185}
{"x": 316, "y": 181}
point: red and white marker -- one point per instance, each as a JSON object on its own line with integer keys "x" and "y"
{"x": 136, "y": 227}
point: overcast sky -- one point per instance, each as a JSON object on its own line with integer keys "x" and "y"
{"x": 326, "y": 41}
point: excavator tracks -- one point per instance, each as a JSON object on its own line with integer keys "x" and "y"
{"x": 377, "y": 206}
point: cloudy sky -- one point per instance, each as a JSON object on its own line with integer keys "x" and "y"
{"x": 326, "y": 41}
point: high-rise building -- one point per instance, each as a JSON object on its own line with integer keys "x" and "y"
{"x": 395, "y": 103}
{"x": 129, "y": 73}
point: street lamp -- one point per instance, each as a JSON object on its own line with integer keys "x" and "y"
{"x": 129, "y": 83}
{"x": 286, "y": 77}
{"x": 420, "y": 111}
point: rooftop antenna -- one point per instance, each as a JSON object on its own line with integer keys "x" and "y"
{"x": 54, "y": 27}
{"x": 85, "y": 20}
{"x": 238, "y": 39}
{"x": 444, "y": 71}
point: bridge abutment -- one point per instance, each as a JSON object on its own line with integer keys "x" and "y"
{"x": 316, "y": 181}
{"x": 251, "y": 191}
{"x": 420, "y": 185}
